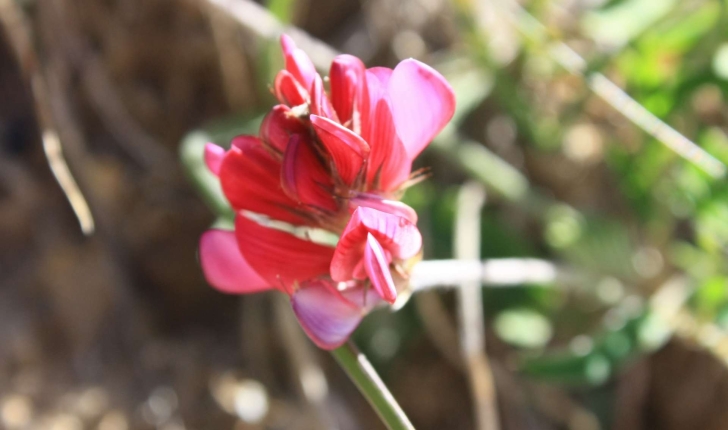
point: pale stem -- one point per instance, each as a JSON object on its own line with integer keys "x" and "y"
{"x": 371, "y": 386}
{"x": 470, "y": 308}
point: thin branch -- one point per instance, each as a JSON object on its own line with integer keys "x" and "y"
{"x": 470, "y": 306}
{"x": 610, "y": 92}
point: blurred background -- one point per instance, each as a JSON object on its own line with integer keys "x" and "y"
{"x": 107, "y": 323}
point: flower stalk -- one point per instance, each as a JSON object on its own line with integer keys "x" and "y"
{"x": 369, "y": 383}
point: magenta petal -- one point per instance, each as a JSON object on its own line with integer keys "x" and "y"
{"x": 288, "y": 90}
{"x": 326, "y": 316}
{"x": 278, "y": 125}
{"x": 347, "y": 149}
{"x": 320, "y": 104}
{"x": 304, "y": 178}
{"x": 379, "y": 203}
{"x": 377, "y": 267}
{"x": 348, "y": 90}
{"x": 389, "y": 165}
{"x": 297, "y": 62}
{"x": 422, "y": 104}
{"x": 213, "y": 157}
{"x": 395, "y": 234}
{"x": 224, "y": 265}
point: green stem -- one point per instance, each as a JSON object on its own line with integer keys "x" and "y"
{"x": 371, "y": 386}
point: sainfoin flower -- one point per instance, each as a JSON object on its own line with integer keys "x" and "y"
{"x": 338, "y": 162}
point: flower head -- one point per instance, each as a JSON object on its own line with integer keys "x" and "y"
{"x": 337, "y": 162}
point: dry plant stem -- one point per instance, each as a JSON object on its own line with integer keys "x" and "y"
{"x": 18, "y": 31}
{"x": 470, "y": 308}
{"x": 371, "y": 386}
{"x": 610, "y": 92}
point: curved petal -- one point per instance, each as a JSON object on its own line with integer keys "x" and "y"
{"x": 347, "y": 149}
{"x": 377, "y": 267}
{"x": 389, "y": 166}
{"x": 324, "y": 314}
{"x": 395, "y": 234}
{"x": 422, "y": 104}
{"x": 278, "y": 125}
{"x": 213, "y": 157}
{"x": 383, "y": 74}
{"x": 303, "y": 176}
{"x": 297, "y": 62}
{"x": 224, "y": 266}
{"x": 279, "y": 257}
{"x": 288, "y": 90}
{"x": 379, "y": 203}
{"x": 251, "y": 180}
{"x": 320, "y": 104}
{"x": 349, "y": 94}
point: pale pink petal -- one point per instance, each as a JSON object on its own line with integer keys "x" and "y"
{"x": 213, "y": 157}
{"x": 224, "y": 266}
{"x": 379, "y": 203}
{"x": 324, "y": 314}
{"x": 395, "y": 234}
{"x": 377, "y": 266}
{"x": 297, "y": 62}
{"x": 383, "y": 74}
{"x": 346, "y": 148}
{"x": 422, "y": 104}
{"x": 279, "y": 257}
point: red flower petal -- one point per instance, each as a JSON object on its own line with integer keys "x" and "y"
{"x": 379, "y": 203}
{"x": 278, "y": 125}
{"x": 320, "y": 104}
{"x": 422, "y": 103}
{"x": 395, "y": 234}
{"x": 279, "y": 257}
{"x": 324, "y": 314}
{"x": 389, "y": 165}
{"x": 213, "y": 157}
{"x": 349, "y": 94}
{"x": 288, "y": 90}
{"x": 377, "y": 266}
{"x": 250, "y": 178}
{"x": 297, "y": 62}
{"x": 347, "y": 149}
{"x": 304, "y": 177}
{"x": 224, "y": 265}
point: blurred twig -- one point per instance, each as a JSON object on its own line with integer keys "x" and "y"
{"x": 18, "y": 29}
{"x": 610, "y": 92}
{"x": 470, "y": 306}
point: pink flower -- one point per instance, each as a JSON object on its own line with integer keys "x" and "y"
{"x": 336, "y": 162}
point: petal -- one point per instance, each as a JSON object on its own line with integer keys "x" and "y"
{"x": 383, "y": 74}
{"x": 389, "y": 166}
{"x": 349, "y": 94}
{"x": 251, "y": 180}
{"x": 224, "y": 265}
{"x": 303, "y": 176}
{"x": 288, "y": 90}
{"x": 395, "y": 234}
{"x": 379, "y": 203}
{"x": 297, "y": 62}
{"x": 346, "y": 148}
{"x": 422, "y": 104}
{"x": 327, "y": 317}
{"x": 278, "y": 125}
{"x": 213, "y": 157}
{"x": 279, "y": 257}
{"x": 320, "y": 104}
{"x": 377, "y": 266}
